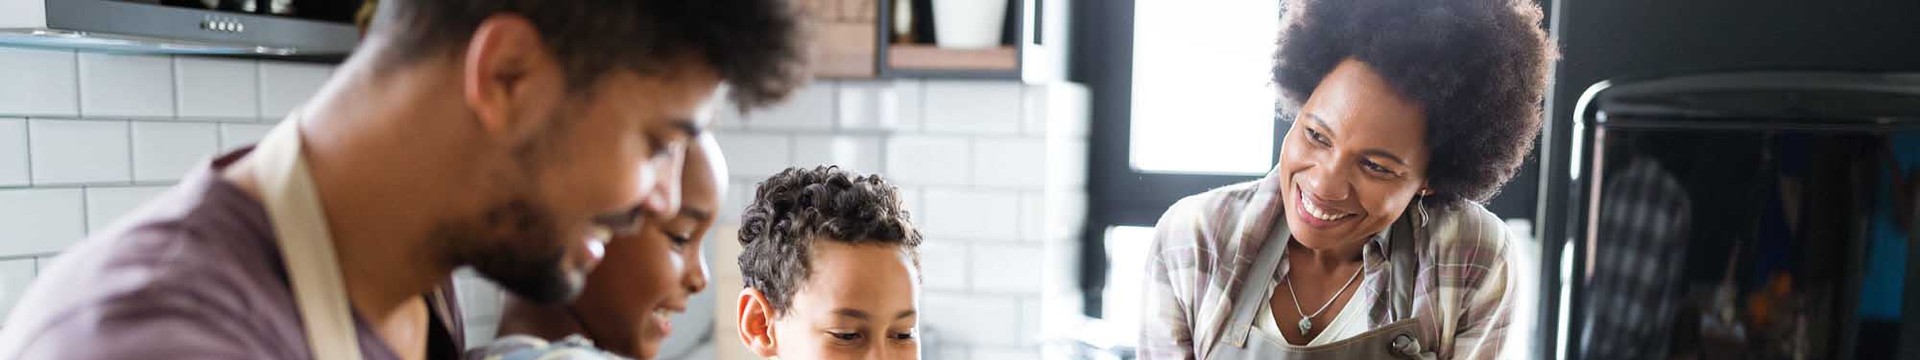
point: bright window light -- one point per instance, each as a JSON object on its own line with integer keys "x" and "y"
{"x": 1202, "y": 99}
{"x": 1126, "y": 275}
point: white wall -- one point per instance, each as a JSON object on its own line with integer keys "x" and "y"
{"x": 993, "y": 171}
{"x": 86, "y": 137}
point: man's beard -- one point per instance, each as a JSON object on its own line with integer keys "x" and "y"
{"x": 517, "y": 245}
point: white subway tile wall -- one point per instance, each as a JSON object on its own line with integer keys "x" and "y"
{"x": 39, "y": 82}
{"x": 233, "y": 136}
{"x": 930, "y": 160}
{"x": 853, "y": 152}
{"x": 217, "y": 89}
{"x": 118, "y": 85}
{"x": 973, "y": 107}
{"x": 40, "y": 221}
{"x": 87, "y": 137}
{"x": 284, "y": 86}
{"x": 978, "y": 164}
{"x": 15, "y": 274}
{"x": 71, "y": 152}
{"x": 165, "y": 151}
{"x": 808, "y": 108}
{"x": 105, "y": 205}
{"x": 13, "y": 153}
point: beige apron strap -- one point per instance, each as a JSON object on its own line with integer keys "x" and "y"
{"x": 1403, "y": 255}
{"x": 301, "y": 230}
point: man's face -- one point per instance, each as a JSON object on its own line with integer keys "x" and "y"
{"x": 601, "y": 159}
{"x": 860, "y": 302}
{"x": 648, "y": 275}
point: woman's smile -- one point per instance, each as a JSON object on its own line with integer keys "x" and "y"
{"x": 1317, "y": 214}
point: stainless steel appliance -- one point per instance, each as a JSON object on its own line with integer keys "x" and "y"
{"x": 1744, "y": 216}
{"x": 233, "y": 27}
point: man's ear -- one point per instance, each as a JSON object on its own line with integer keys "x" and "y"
{"x": 508, "y": 78}
{"x": 756, "y": 323}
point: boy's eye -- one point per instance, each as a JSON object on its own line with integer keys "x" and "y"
{"x": 1316, "y": 137}
{"x": 902, "y": 336}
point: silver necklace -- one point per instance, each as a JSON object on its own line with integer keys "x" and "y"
{"x": 1306, "y": 321}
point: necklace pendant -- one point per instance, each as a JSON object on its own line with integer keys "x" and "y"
{"x": 1306, "y": 325}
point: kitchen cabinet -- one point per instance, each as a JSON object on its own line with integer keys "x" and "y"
{"x": 864, "y": 39}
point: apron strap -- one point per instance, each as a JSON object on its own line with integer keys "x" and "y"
{"x": 1259, "y": 284}
{"x": 1403, "y": 255}
{"x": 300, "y": 227}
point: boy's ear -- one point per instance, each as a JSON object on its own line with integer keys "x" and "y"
{"x": 756, "y": 323}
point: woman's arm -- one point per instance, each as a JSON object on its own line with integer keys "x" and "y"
{"x": 1166, "y": 330}
{"x": 1483, "y": 330}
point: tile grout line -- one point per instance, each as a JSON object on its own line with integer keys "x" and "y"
{"x": 131, "y": 169}
{"x": 26, "y": 131}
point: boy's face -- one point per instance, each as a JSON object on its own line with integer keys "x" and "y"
{"x": 860, "y": 302}
{"x": 649, "y": 275}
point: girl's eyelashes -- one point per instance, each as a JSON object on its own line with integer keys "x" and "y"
{"x": 845, "y": 337}
{"x": 678, "y": 240}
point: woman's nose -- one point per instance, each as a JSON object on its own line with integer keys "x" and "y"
{"x": 696, "y": 280}
{"x": 1326, "y": 183}
{"x": 662, "y": 200}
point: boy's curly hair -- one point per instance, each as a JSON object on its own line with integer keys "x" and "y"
{"x": 797, "y": 207}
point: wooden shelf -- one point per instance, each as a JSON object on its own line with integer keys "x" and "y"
{"x": 928, "y": 57}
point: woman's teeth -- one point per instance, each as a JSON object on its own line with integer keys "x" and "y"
{"x": 1318, "y": 213}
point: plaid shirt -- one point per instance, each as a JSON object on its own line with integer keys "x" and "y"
{"x": 1205, "y": 241}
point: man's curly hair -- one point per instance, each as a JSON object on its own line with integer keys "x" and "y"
{"x": 797, "y": 207}
{"x": 1477, "y": 67}
{"x": 755, "y": 46}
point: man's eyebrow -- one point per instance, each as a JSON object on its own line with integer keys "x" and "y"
{"x": 904, "y": 314}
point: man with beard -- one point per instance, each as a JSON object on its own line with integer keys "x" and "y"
{"x": 513, "y": 136}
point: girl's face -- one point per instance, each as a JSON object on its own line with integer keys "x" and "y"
{"x": 860, "y": 302}
{"x": 649, "y": 275}
{"x": 1353, "y": 160}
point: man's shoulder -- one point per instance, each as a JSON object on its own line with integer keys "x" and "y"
{"x": 171, "y": 272}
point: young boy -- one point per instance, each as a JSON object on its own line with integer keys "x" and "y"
{"x": 831, "y": 266}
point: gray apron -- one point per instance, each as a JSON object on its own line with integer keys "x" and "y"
{"x": 1399, "y": 339}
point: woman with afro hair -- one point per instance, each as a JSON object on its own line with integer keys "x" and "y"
{"x": 1368, "y": 238}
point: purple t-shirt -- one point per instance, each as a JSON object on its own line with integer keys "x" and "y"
{"x": 193, "y": 274}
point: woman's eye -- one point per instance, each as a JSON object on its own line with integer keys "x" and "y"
{"x": 1317, "y": 138}
{"x": 902, "y": 336}
{"x": 1377, "y": 169}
